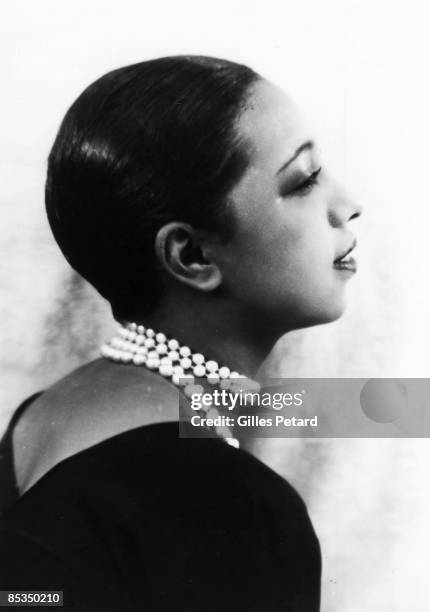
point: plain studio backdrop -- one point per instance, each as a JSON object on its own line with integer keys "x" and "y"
{"x": 360, "y": 71}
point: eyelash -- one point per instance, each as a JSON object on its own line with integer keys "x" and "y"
{"x": 307, "y": 185}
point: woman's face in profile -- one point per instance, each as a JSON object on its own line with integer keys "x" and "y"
{"x": 291, "y": 220}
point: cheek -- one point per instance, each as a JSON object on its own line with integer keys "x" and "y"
{"x": 280, "y": 248}
{"x": 284, "y": 262}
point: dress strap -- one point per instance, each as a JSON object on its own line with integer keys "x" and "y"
{"x": 9, "y": 492}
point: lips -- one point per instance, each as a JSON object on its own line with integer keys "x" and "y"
{"x": 345, "y": 261}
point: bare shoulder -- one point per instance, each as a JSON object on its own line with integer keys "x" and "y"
{"x": 95, "y": 402}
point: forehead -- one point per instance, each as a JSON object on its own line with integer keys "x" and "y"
{"x": 271, "y": 125}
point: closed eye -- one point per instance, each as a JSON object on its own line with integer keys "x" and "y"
{"x": 304, "y": 188}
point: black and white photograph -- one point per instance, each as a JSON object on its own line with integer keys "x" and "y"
{"x": 214, "y": 306}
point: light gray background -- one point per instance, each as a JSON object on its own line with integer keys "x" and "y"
{"x": 360, "y": 71}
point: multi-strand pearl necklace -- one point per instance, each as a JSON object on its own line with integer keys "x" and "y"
{"x": 141, "y": 346}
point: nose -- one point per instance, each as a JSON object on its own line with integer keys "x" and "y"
{"x": 342, "y": 208}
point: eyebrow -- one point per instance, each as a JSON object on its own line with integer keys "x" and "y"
{"x": 309, "y": 144}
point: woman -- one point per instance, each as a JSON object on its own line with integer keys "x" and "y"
{"x": 189, "y": 191}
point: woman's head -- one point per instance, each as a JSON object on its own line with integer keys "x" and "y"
{"x": 291, "y": 221}
{"x": 143, "y": 146}
{"x": 194, "y": 176}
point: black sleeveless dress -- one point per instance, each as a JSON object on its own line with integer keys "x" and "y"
{"x": 150, "y": 521}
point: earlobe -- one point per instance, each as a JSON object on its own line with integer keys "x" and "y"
{"x": 179, "y": 251}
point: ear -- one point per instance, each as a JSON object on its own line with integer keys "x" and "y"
{"x": 180, "y": 251}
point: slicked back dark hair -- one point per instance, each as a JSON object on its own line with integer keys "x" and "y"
{"x": 144, "y": 145}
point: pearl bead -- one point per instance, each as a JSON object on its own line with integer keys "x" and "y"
{"x": 179, "y": 380}
{"x": 186, "y": 363}
{"x": 235, "y": 387}
{"x": 119, "y": 356}
{"x": 166, "y": 361}
{"x": 178, "y": 370}
{"x": 191, "y": 389}
{"x": 153, "y": 355}
{"x": 188, "y": 390}
{"x": 234, "y": 375}
{"x": 150, "y": 333}
{"x": 132, "y": 336}
{"x": 152, "y": 364}
{"x": 224, "y": 372}
{"x": 139, "y": 359}
{"x": 149, "y": 342}
{"x": 213, "y": 378}
{"x": 173, "y": 344}
{"x": 199, "y": 371}
{"x": 188, "y": 378}
{"x": 165, "y": 369}
{"x": 212, "y": 412}
{"x": 140, "y": 339}
{"x": 211, "y": 366}
{"x": 161, "y": 338}
{"x": 126, "y": 357}
{"x": 185, "y": 351}
{"x": 250, "y": 385}
{"x": 161, "y": 349}
{"x": 140, "y": 329}
{"x": 133, "y": 326}
{"x": 173, "y": 355}
{"x": 198, "y": 358}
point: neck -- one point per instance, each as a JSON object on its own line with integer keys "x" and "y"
{"x": 219, "y": 333}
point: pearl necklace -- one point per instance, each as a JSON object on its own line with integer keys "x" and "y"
{"x": 141, "y": 346}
